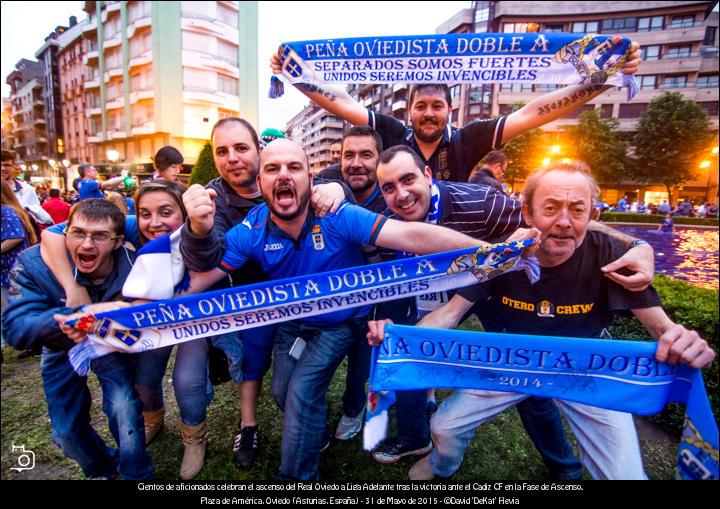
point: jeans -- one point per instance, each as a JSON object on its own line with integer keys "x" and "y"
{"x": 193, "y": 390}
{"x": 607, "y": 440}
{"x": 249, "y": 352}
{"x": 300, "y": 388}
{"x": 68, "y": 400}
{"x": 412, "y": 421}
{"x": 123, "y": 407}
{"x": 544, "y": 426}
{"x": 358, "y": 371}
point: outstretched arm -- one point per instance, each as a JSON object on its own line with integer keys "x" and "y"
{"x": 335, "y": 100}
{"x": 559, "y": 103}
{"x": 676, "y": 344}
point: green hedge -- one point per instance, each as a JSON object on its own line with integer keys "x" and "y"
{"x": 695, "y": 308}
{"x": 629, "y": 217}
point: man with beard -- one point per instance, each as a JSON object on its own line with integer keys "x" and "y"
{"x": 288, "y": 239}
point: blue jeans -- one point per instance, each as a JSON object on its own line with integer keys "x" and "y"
{"x": 193, "y": 390}
{"x": 123, "y": 407}
{"x": 542, "y": 421}
{"x": 249, "y": 352}
{"x": 68, "y": 400}
{"x": 300, "y": 388}
{"x": 358, "y": 371}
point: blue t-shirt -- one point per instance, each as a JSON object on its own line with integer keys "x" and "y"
{"x": 328, "y": 243}
{"x": 131, "y": 230}
{"x": 131, "y": 206}
{"x": 89, "y": 189}
{"x": 12, "y": 228}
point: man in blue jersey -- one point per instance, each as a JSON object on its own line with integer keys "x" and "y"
{"x": 287, "y": 239}
{"x": 88, "y": 185}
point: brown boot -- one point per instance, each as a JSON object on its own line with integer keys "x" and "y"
{"x": 154, "y": 422}
{"x": 195, "y": 440}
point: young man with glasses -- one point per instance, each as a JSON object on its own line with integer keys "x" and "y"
{"x": 34, "y": 316}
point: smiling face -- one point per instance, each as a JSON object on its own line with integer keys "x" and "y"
{"x": 93, "y": 254}
{"x": 158, "y": 214}
{"x": 406, "y": 188}
{"x": 359, "y": 163}
{"x": 560, "y": 209}
{"x": 236, "y": 157}
{"x": 284, "y": 180}
{"x": 429, "y": 114}
{"x": 335, "y": 151}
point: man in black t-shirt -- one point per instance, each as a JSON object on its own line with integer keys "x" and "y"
{"x": 571, "y": 299}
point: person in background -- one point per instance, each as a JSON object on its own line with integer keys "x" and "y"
{"x": 668, "y": 225}
{"x": 490, "y": 170}
{"x": 118, "y": 200}
{"x": 25, "y": 193}
{"x": 56, "y": 207}
{"x": 88, "y": 185}
{"x": 168, "y": 164}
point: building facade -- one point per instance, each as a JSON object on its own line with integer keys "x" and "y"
{"x": 315, "y": 130}
{"x": 27, "y": 120}
{"x": 162, "y": 73}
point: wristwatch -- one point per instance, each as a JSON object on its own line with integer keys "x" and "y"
{"x": 636, "y": 243}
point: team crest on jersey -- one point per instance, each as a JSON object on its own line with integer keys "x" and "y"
{"x": 546, "y": 309}
{"x": 317, "y": 238}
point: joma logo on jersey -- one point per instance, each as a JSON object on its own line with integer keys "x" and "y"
{"x": 273, "y": 247}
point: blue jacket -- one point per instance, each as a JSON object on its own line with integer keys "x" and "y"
{"x": 35, "y": 296}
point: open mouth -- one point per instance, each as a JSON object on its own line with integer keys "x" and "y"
{"x": 158, "y": 233}
{"x": 284, "y": 196}
{"x": 86, "y": 260}
{"x": 408, "y": 205}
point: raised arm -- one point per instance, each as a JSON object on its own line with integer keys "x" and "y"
{"x": 335, "y": 100}
{"x": 559, "y": 103}
{"x": 676, "y": 344}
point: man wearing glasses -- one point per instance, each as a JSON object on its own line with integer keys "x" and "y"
{"x": 93, "y": 239}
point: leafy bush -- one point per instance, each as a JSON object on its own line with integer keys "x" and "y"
{"x": 204, "y": 170}
{"x": 629, "y": 217}
{"x": 695, "y": 308}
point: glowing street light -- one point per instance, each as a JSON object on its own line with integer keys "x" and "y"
{"x": 705, "y": 164}
{"x": 555, "y": 149}
{"x": 715, "y": 150}
{"x": 546, "y": 161}
{"x": 34, "y": 167}
{"x": 66, "y": 163}
{"x": 23, "y": 167}
{"x": 52, "y": 163}
{"x": 113, "y": 155}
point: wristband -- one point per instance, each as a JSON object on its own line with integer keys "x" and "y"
{"x": 636, "y": 243}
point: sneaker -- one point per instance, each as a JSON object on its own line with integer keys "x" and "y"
{"x": 246, "y": 447}
{"x": 348, "y": 427}
{"x": 391, "y": 450}
{"x": 421, "y": 471}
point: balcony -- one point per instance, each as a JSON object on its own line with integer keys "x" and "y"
{"x": 137, "y": 24}
{"x": 201, "y": 95}
{"x": 200, "y": 23}
{"x": 115, "y": 104}
{"x": 141, "y": 95}
{"x": 93, "y": 112}
{"x": 96, "y": 138}
{"x": 399, "y": 105}
{"x": 115, "y": 72}
{"x": 142, "y": 59}
{"x": 91, "y": 57}
{"x": 90, "y": 27}
{"x": 146, "y": 128}
{"x": 399, "y": 86}
{"x": 90, "y": 84}
{"x": 674, "y": 36}
{"x": 38, "y": 103}
{"x": 113, "y": 42}
{"x": 218, "y": 62}
{"x": 672, "y": 65}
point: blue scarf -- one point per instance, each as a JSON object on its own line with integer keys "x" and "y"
{"x": 529, "y": 58}
{"x": 613, "y": 374}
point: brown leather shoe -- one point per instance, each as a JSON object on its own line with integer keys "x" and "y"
{"x": 154, "y": 423}
{"x": 195, "y": 440}
{"x": 421, "y": 471}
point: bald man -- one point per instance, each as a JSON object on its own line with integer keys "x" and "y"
{"x": 286, "y": 238}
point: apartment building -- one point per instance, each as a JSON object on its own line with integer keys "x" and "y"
{"x": 27, "y": 119}
{"x": 315, "y": 130}
{"x": 162, "y": 73}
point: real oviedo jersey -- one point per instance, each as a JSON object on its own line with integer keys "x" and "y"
{"x": 328, "y": 243}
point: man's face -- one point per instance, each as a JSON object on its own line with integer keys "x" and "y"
{"x": 406, "y": 187}
{"x": 91, "y": 244}
{"x": 91, "y": 173}
{"x": 284, "y": 180}
{"x": 429, "y": 114}
{"x": 335, "y": 152}
{"x": 235, "y": 155}
{"x": 8, "y": 170}
{"x": 359, "y": 163}
{"x": 498, "y": 170}
{"x": 561, "y": 211}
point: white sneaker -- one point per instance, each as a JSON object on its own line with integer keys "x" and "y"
{"x": 348, "y": 427}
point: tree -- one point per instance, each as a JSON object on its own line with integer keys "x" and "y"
{"x": 204, "y": 170}
{"x": 525, "y": 153}
{"x": 672, "y": 135}
{"x": 595, "y": 141}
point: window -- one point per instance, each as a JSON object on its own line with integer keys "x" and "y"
{"x": 678, "y": 81}
{"x": 710, "y": 33}
{"x": 515, "y": 28}
{"x": 228, "y": 52}
{"x": 227, "y": 84}
{"x": 650, "y": 53}
{"x": 195, "y": 42}
{"x": 197, "y": 79}
{"x": 606, "y": 110}
{"x": 707, "y": 81}
{"x": 619, "y": 25}
{"x": 554, "y": 28}
{"x": 586, "y": 27}
{"x": 455, "y": 91}
{"x": 579, "y": 111}
{"x": 650, "y": 24}
{"x": 631, "y": 110}
{"x": 647, "y": 81}
{"x": 678, "y": 51}
{"x": 685, "y": 21}
{"x": 482, "y": 14}
{"x": 711, "y": 107}
{"x": 546, "y": 87}
{"x": 227, "y": 15}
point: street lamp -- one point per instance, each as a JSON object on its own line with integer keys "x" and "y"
{"x": 113, "y": 155}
